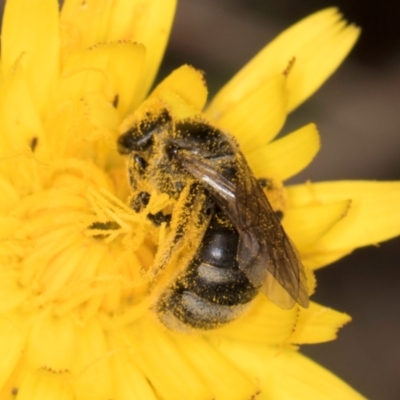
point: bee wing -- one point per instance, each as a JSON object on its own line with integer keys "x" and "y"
{"x": 265, "y": 253}
{"x": 264, "y": 247}
{"x": 220, "y": 188}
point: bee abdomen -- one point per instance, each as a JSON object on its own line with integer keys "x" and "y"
{"x": 206, "y": 297}
{"x": 219, "y": 285}
{"x": 187, "y": 308}
{"x": 213, "y": 290}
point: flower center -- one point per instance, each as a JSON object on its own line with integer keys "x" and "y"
{"x": 82, "y": 249}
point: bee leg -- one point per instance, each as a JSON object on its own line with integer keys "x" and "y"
{"x": 143, "y": 198}
{"x": 141, "y": 163}
{"x": 140, "y": 201}
{"x": 136, "y": 166}
{"x": 159, "y": 218}
{"x": 187, "y": 226}
{"x": 200, "y": 213}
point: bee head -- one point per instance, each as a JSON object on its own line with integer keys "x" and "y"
{"x": 140, "y": 136}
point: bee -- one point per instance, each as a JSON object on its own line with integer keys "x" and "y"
{"x": 243, "y": 249}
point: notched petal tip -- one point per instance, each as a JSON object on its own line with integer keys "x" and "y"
{"x": 319, "y": 56}
{"x": 318, "y": 324}
{"x": 317, "y": 44}
{"x": 374, "y": 215}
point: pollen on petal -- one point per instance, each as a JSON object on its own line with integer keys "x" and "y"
{"x": 45, "y": 384}
{"x": 186, "y": 82}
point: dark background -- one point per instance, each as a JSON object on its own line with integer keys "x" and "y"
{"x": 358, "y": 114}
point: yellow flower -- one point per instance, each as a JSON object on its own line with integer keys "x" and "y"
{"x": 77, "y": 283}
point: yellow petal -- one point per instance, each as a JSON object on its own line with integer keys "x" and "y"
{"x": 1, "y": 73}
{"x": 90, "y": 18}
{"x": 83, "y": 127}
{"x": 317, "y": 44}
{"x": 129, "y": 381}
{"x": 59, "y": 332}
{"x": 374, "y": 214}
{"x": 116, "y": 66}
{"x": 176, "y": 105}
{"x": 152, "y": 22}
{"x": 91, "y": 362}
{"x": 188, "y": 83}
{"x": 264, "y": 323}
{"x": 19, "y": 119}
{"x": 167, "y": 369}
{"x": 256, "y": 117}
{"x": 285, "y": 157}
{"x": 318, "y": 58}
{"x": 12, "y": 342}
{"x": 286, "y": 374}
{"x": 306, "y": 224}
{"x": 315, "y": 259}
{"x": 317, "y": 324}
{"x": 45, "y": 384}
{"x": 11, "y": 292}
{"x": 9, "y": 196}
{"x": 75, "y": 84}
{"x": 34, "y": 35}
{"x": 143, "y": 21}
{"x": 224, "y": 379}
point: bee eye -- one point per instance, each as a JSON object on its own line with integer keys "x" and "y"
{"x": 140, "y": 201}
{"x": 140, "y": 136}
{"x": 135, "y": 139}
{"x": 171, "y": 151}
{"x": 125, "y": 143}
{"x": 140, "y": 162}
